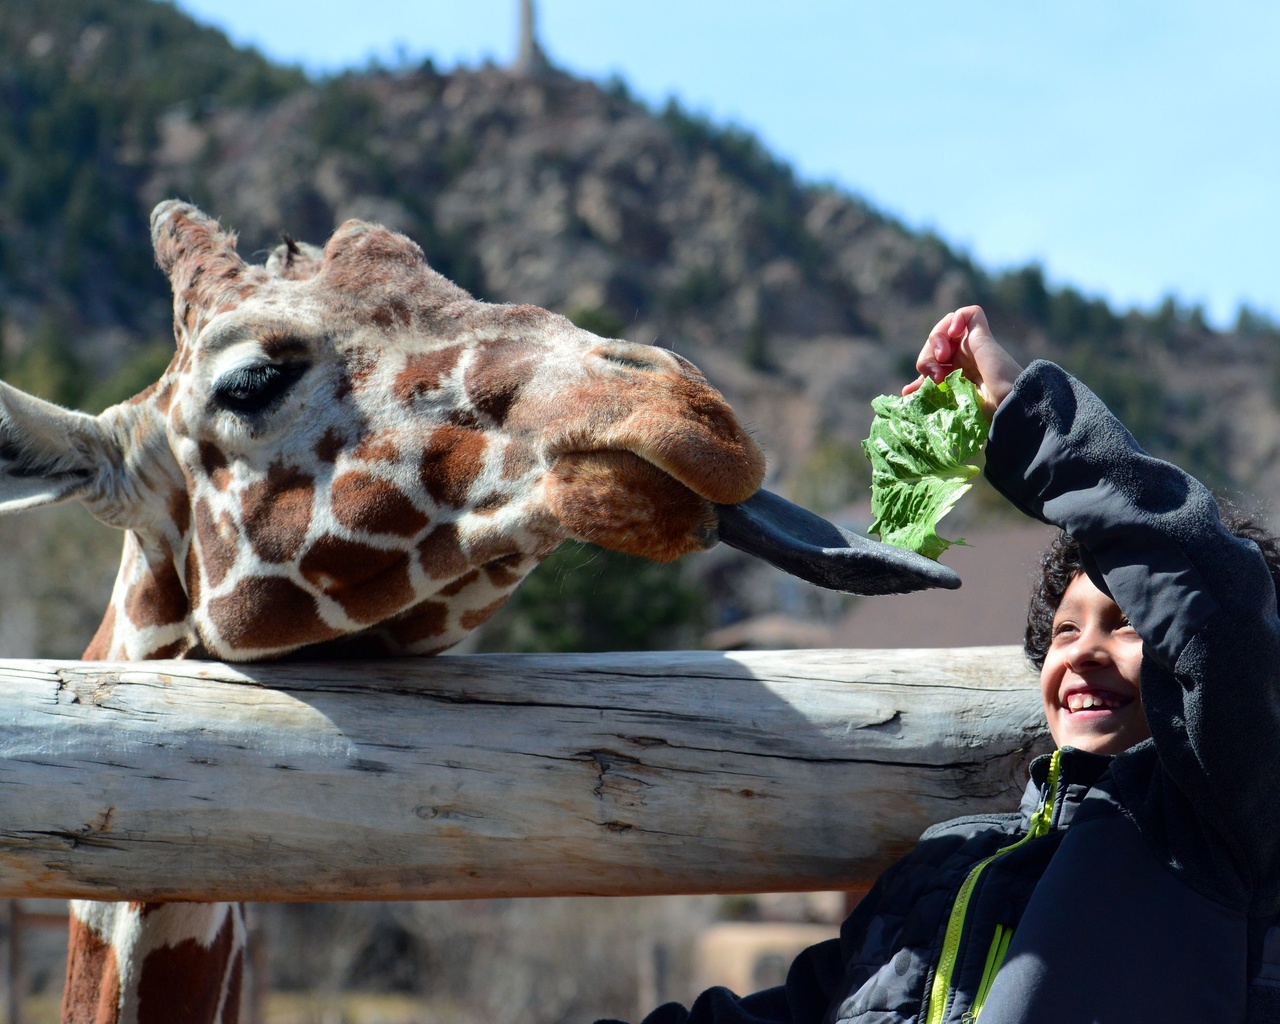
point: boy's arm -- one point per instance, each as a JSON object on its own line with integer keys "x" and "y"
{"x": 1201, "y": 599}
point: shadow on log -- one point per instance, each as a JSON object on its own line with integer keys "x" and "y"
{"x": 496, "y": 776}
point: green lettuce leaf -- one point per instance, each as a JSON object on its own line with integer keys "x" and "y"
{"x": 918, "y": 447}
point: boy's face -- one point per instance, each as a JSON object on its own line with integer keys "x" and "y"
{"x": 1090, "y": 677}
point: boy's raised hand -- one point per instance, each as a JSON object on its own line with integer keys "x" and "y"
{"x": 963, "y": 340}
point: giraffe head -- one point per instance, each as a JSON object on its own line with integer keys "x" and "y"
{"x": 348, "y": 453}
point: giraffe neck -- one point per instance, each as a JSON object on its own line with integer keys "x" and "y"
{"x": 149, "y": 615}
{"x": 154, "y": 963}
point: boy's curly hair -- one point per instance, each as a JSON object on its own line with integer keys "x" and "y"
{"x": 1060, "y": 564}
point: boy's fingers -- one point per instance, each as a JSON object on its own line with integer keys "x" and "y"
{"x": 939, "y": 343}
{"x": 952, "y": 343}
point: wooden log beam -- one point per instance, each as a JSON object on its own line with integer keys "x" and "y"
{"x": 489, "y": 776}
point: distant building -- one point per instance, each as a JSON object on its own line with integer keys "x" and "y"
{"x": 531, "y": 60}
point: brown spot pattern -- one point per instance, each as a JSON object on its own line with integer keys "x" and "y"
{"x": 214, "y": 464}
{"x": 328, "y": 447}
{"x": 183, "y": 982}
{"x": 179, "y": 507}
{"x": 218, "y": 554}
{"x": 489, "y": 546}
{"x": 361, "y": 501}
{"x": 424, "y": 372}
{"x": 235, "y": 985}
{"x": 163, "y": 397}
{"x": 422, "y": 622}
{"x": 451, "y": 463}
{"x": 99, "y": 648}
{"x": 192, "y": 572}
{"x": 176, "y": 649}
{"x": 441, "y": 553}
{"x": 394, "y": 312}
{"x": 518, "y": 459}
{"x": 153, "y": 395}
{"x": 358, "y": 369}
{"x": 157, "y": 599}
{"x": 371, "y": 584}
{"x": 460, "y": 584}
{"x": 92, "y": 991}
{"x": 473, "y": 618}
{"x": 268, "y": 612}
{"x": 379, "y": 447}
{"x": 524, "y": 317}
{"x": 463, "y": 417}
{"x": 276, "y": 512}
{"x": 491, "y": 503}
{"x": 506, "y": 571}
{"x": 496, "y": 378}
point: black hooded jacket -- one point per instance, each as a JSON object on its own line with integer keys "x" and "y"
{"x": 1140, "y": 887}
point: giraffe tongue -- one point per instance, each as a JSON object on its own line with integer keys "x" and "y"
{"x": 805, "y": 545}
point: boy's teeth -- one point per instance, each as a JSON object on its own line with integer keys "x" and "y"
{"x": 1085, "y": 701}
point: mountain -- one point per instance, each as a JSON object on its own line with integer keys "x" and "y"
{"x": 85, "y": 87}
{"x": 798, "y": 299}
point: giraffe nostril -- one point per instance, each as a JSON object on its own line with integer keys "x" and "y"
{"x": 632, "y": 356}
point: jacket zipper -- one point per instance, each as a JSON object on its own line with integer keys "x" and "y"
{"x": 940, "y": 991}
{"x": 995, "y": 960}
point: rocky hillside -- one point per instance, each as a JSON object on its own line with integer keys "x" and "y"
{"x": 799, "y": 300}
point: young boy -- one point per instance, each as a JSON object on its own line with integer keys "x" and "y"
{"x": 1140, "y": 880}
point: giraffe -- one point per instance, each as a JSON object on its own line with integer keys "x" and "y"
{"x": 348, "y": 455}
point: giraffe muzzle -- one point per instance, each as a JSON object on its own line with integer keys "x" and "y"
{"x": 806, "y": 546}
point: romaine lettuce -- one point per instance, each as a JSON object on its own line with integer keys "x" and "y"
{"x": 918, "y": 449}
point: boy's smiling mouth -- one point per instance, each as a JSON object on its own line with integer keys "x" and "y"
{"x": 1094, "y": 700}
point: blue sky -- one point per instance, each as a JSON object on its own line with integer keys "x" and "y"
{"x": 1132, "y": 148}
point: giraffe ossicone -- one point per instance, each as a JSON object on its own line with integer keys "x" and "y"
{"x": 349, "y": 455}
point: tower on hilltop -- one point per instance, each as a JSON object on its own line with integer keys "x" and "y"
{"x": 531, "y": 60}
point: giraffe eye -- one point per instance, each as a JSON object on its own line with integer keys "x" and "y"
{"x": 256, "y": 388}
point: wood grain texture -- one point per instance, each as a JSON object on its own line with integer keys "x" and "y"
{"x": 489, "y": 776}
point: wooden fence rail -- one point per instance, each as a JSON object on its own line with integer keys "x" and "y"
{"x": 489, "y": 776}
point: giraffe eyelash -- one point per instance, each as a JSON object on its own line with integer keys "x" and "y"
{"x": 255, "y": 388}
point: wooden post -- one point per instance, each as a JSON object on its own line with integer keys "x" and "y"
{"x": 489, "y": 776}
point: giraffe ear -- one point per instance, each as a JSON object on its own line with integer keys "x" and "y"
{"x": 47, "y": 454}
